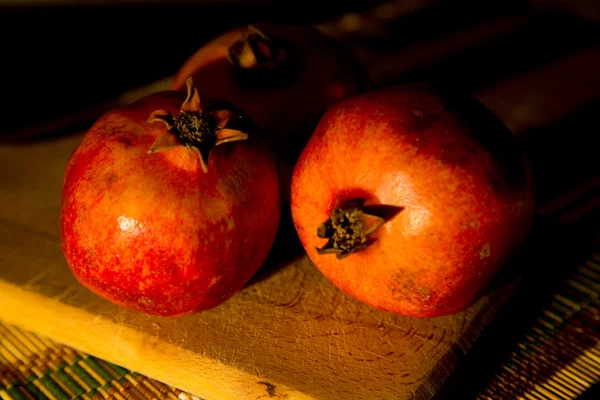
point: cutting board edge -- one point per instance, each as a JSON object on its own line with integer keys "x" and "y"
{"x": 150, "y": 356}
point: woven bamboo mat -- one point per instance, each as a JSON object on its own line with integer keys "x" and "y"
{"x": 559, "y": 355}
{"x": 32, "y": 367}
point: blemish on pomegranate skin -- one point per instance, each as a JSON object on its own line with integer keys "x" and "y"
{"x": 424, "y": 294}
{"x": 144, "y": 284}
{"x": 230, "y": 224}
{"x": 110, "y": 178}
{"x": 402, "y": 285}
{"x": 145, "y": 301}
{"x": 213, "y": 281}
{"x": 125, "y": 141}
{"x": 472, "y": 224}
{"x": 485, "y": 251}
{"x": 269, "y": 387}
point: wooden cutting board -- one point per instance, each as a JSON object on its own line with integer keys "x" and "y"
{"x": 288, "y": 334}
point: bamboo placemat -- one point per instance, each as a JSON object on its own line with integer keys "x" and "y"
{"x": 32, "y": 367}
{"x": 559, "y": 355}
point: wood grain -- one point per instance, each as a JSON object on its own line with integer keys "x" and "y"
{"x": 291, "y": 334}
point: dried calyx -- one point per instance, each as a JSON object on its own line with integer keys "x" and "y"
{"x": 197, "y": 130}
{"x": 256, "y": 50}
{"x": 348, "y": 229}
{"x": 260, "y": 60}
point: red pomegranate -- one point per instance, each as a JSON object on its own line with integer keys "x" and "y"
{"x": 411, "y": 198}
{"x": 171, "y": 214}
{"x": 284, "y": 77}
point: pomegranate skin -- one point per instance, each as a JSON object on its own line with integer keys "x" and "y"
{"x": 153, "y": 232}
{"x": 456, "y": 174}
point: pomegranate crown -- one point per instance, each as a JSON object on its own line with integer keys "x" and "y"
{"x": 195, "y": 129}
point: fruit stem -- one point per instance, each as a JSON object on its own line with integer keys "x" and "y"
{"x": 348, "y": 229}
{"x": 256, "y": 50}
{"x": 197, "y": 130}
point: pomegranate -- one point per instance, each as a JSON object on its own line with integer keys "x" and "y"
{"x": 411, "y": 198}
{"x": 284, "y": 77}
{"x": 169, "y": 210}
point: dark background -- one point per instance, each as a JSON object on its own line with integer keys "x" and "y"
{"x": 59, "y": 57}
{"x": 69, "y": 57}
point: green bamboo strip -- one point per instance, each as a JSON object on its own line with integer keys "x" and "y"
{"x": 43, "y": 370}
{"x": 124, "y": 386}
{"x": 15, "y": 393}
{"x": 31, "y": 352}
{"x": 53, "y": 387}
{"x": 92, "y": 367}
{"x": 52, "y": 378}
{"x": 44, "y": 390}
{"x": 120, "y": 370}
{"x": 105, "y": 388}
{"x": 125, "y": 390}
{"x": 46, "y": 370}
{"x": 73, "y": 375}
{"x": 95, "y": 365}
{"x": 43, "y": 345}
{"x": 33, "y": 391}
{"x": 73, "y": 386}
{"x": 133, "y": 388}
{"x": 89, "y": 381}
